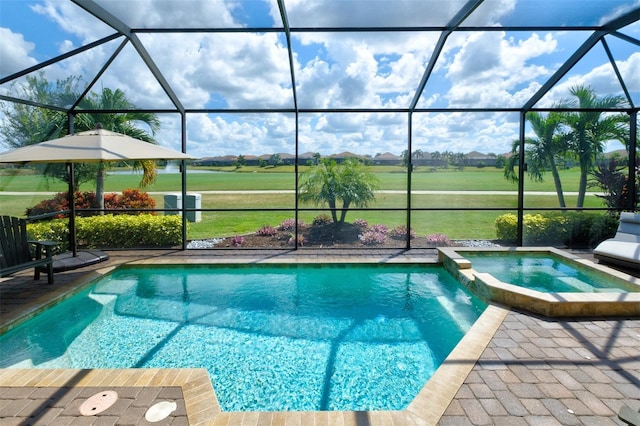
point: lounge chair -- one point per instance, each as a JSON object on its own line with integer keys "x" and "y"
{"x": 624, "y": 248}
{"x": 630, "y": 417}
{"x": 15, "y": 250}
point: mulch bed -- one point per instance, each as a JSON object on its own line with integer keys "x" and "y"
{"x": 319, "y": 236}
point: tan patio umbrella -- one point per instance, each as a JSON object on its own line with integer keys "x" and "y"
{"x": 91, "y": 146}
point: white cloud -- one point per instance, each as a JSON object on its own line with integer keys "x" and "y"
{"x": 618, "y": 11}
{"x": 487, "y": 68}
{"x": 490, "y": 13}
{"x": 630, "y": 69}
{"x": 601, "y": 79}
{"x": 73, "y": 20}
{"x": 332, "y": 70}
{"x": 137, "y": 14}
{"x": 248, "y": 70}
{"x": 318, "y": 13}
{"x": 15, "y": 54}
{"x": 212, "y": 135}
{"x": 363, "y": 69}
{"x": 464, "y": 132}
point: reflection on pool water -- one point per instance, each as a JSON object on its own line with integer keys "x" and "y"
{"x": 273, "y": 337}
{"x": 544, "y": 272}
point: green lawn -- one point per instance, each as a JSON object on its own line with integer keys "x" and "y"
{"x": 466, "y": 223}
{"x": 470, "y": 179}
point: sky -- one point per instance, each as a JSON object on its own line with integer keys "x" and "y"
{"x": 489, "y": 69}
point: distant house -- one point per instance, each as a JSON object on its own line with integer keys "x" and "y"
{"x": 475, "y": 158}
{"x": 251, "y": 160}
{"x": 387, "y": 159}
{"x": 339, "y": 158}
{"x": 306, "y": 158}
{"x": 286, "y": 158}
{"x": 224, "y": 160}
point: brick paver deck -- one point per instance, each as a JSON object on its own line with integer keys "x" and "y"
{"x": 534, "y": 371}
{"x": 540, "y": 371}
{"x": 61, "y": 405}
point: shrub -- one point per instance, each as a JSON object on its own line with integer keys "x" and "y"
{"x": 289, "y": 225}
{"x": 541, "y": 230}
{"x": 124, "y": 231}
{"x": 537, "y": 229}
{"x": 129, "y": 199}
{"x": 361, "y": 223}
{"x": 237, "y": 240}
{"x": 400, "y": 233}
{"x": 438, "y": 240}
{"x": 573, "y": 229}
{"x": 301, "y": 240}
{"x": 507, "y": 228}
{"x": 53, "y": 230}
{"x": 267, "y": 231}
{"x": 59, "y": 202}
{"x": 379, "y": 228}
{"x": 371, "y": 237}
{"x": 586, "y": 229}
{"x": 133, "y": 199}
{"x": 322, "y": 219}
{"x": 113, "y": 231}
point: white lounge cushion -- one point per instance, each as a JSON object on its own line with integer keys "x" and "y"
{"x": 625, "y": 245}
{"x": 623, "y": 250}
{"x": 629, "y": 227}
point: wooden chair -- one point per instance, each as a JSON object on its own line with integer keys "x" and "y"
{"x": 15, "y": 250}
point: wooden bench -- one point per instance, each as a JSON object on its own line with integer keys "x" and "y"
{"x": 16, "y": 250}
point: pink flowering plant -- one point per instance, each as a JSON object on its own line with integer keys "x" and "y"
{"x": 372, "y": 238}
{"x": 438, "y": 240}
{"x": 267, "y": 231}
{"x": 361, "y": 223}
{"x": 400, "y": 233}
{"x": 289, "y": 225}
{"x": 379, "y": 228}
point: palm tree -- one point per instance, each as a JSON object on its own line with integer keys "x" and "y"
{"x": 328, "y": 182}
{"x": 125, "y": 123}
{"x": 541, "y": 151}
{"x": 437, "y": 157}
{"x": 591, "y": 129}
{"x": 26, "y": 124}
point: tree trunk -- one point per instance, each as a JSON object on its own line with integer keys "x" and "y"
{"x": 334, "y": 213}
{"x": 558, "y": 183}
{"x": 100, "y": 188}
{"x": 343, "y": 213}
{"x": 582, "y": 186}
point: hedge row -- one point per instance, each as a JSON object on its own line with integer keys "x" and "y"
{"x": 571, "y": 229}
{"x": 128, "y": 199}
{"x": 113, "y": 231}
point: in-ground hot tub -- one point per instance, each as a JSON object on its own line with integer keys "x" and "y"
{"x": 546, "y": 280}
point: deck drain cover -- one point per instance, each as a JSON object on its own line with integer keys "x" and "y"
{"x": 160, "y": 411}
{"x": 98, "y": 403}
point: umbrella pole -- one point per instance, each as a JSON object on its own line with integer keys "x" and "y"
{"x": 73, "y": 245}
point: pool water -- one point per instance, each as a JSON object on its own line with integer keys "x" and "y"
{"x": 544, "y": 272}
{"x": 273, "y": 338}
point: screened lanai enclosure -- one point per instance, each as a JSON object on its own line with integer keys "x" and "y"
{"x": 327, "y": 123}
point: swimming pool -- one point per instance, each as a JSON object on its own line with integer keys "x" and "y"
{"x": 544, "y": 272}
{"x": 544, "y": 280}
{"x": 303, "y": 337}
